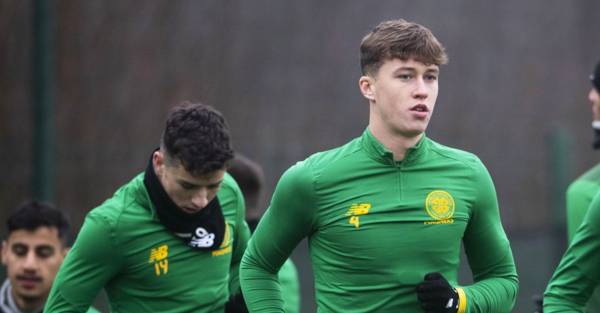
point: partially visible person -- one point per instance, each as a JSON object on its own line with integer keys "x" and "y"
{"x": 171, "y": 239}
{"x": 250, "y": 177}
{"x": 33, "y": 251}
{"x": 581, "y": 192}
{"x": 574, "y": 285}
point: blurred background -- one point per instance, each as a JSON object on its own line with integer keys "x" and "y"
{"x": 85, "y": 87}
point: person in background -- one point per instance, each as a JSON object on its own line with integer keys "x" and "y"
{"x": 32, "y": 253}
{"x": 575, "y": 282}
{"x": 250, "y": 177}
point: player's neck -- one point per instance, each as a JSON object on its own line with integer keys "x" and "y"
{"x": 396, "y": 143}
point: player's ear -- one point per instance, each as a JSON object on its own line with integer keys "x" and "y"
{"x": 158, "y": 161}
{"x": 367, "y": 87}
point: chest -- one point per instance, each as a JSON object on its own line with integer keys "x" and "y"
{"x": 395, "y": 210}
{"x": 157, "y": 261}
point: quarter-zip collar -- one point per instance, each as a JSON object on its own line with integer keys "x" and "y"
{"x": 377, "y": 151}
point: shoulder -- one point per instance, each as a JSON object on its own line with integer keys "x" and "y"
{"x": 131, "y": 198}
{"x": 587, "y": 184}
{"x": 322, "y": 163}
{"x": 456, "y": 156}
{"x": 583, "y": 187}
{"x": 324, "y": 159}
{"x": 592, "y": 175}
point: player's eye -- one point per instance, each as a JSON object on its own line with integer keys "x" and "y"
{"x": 187, "y": 186}
{"x": 214, "y": 186}
{"x": 44, "y": 251}
{"x": 20, "y": 249}
{"x": 431, "y": 77}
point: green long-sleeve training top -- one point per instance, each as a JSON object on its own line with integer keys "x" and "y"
{"x": 375, "y": 227}
{"x": 578, "y": 273}
{"x": 123, "y": 248}
{"x": 579, "y": 196}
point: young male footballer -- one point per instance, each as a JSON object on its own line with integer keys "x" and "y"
{"x": 385, "y": 214}
{"x": 171, "y": 239}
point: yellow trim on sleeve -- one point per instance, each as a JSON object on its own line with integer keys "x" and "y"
{"x": 462, "y": 301}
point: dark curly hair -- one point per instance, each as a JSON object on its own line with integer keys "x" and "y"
{"x": 197, "y": 135}
{"x": 32, "y": 215}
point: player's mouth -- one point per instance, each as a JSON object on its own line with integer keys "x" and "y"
{"x": 420, "y": 110}
{"x": 28, "y": 281}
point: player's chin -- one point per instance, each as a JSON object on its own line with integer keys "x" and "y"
{"x": 30, "y": 293}
{"x": 420, "y": 127}
{"x": 415, "y": 131}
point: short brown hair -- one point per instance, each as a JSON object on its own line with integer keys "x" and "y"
{"x": 399, "y": 39}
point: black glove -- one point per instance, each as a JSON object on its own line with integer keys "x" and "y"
{"x": 538, "y": 300}
{"x": 436, "y": 295}
{"x": 236, "y": 304}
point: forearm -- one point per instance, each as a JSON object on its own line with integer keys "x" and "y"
{"x": 578, "y": 273}
{"x": 289, "y": 219}
{"x": 262, "y": 291}
{"x": 260, "y": 265}
{"x": 489, "y": 253}
{"x": 496, "y": 281}
{"x": 569, "y": 288}
{"x": 493, "y": 295}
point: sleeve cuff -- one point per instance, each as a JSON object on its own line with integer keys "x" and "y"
{"x": 462, "y": 300}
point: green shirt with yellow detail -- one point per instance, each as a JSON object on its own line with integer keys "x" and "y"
{"x": 375, "y": 227}
{"x": 123, "y": 248}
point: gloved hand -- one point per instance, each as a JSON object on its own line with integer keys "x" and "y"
{"x": 538, "y": 300}
{"x": 236, "y": 304}
{"x": 436, "y": 295}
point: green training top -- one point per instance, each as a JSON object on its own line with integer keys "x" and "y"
{"x": 290, "y": 287}
{"x": 143, "y": 267}
{"x": 579, "y": 196}
{"x": 375, "y": 227}
{"x": 578, "y": 273}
